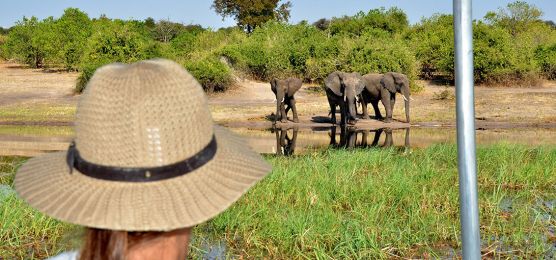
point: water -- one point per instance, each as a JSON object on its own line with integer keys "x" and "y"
{"x": 31, "y": 141}
{"x": 5, "y": 192}
{"x": 300, "y": 140}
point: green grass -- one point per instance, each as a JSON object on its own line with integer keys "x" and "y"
{"x": 353, "y": 204}
{"x": 38, "y": 113}
{"x": 24, "y": 232}
{"x": 381, "y": 204}
{"x": 32, "y": 130}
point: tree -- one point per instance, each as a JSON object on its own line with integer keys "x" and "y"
{"x": 4, "y": 30}
{"x": 150, "y": 23}
{"x": 550, "y": 23}
{"x": 165, "y": 30}
{"x": 515, "y": 17}
{"x": 250, "y": 14}
{"x": 72, "y": 31}
{"x": 322, "y": 24}
{"x": 29, "y": 41}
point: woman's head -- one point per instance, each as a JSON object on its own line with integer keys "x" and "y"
{"x": 118, "y": 245}
{"x": 146, "y": 156}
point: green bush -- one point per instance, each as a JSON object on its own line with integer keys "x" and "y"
{"x": 494, "y": 56}
{"x": 28, "y": 41}
{"x": 3, "y": 39}
{"x": 545, "y": 56}
{"x": 115, "y": 41}
{"x": 211, "y": 73}
{"x": 73, "y": 30}
{"x": 432, "y": 41}
{"x": 393, "y": 20}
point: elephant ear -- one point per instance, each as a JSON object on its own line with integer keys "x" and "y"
{"x": 334, "y": 83}
{"x": 400, "y": 80}
{"x": 294, "y": 84}
{"x": 360, "y": 85}
{"x": 273, "y": 85}
{"x": 388, "y": 82}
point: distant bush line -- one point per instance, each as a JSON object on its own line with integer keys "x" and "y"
{"x": 512, "y": 46}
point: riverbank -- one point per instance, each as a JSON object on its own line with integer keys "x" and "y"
{"x": 372, "y": 203}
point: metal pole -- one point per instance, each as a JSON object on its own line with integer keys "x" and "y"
{"x": 465, "y": 111}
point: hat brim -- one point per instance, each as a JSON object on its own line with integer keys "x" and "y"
{"x": 46, "y": 184}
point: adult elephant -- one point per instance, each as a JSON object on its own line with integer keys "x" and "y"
{"x": 284, "y": 90}
{"x": 384, "y": 88}
{"x": 341, "y": 90}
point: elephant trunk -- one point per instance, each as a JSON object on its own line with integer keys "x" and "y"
{"x": 280, "y": 95}
{"x": 405, "y": 94}
{"x": 352, "y": 112}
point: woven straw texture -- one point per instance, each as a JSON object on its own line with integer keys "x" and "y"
{"x": 150, "y": 113}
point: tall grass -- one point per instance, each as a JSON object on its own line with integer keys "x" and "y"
{"x": 381, "y": 204}
{"x": 353, "y": 204}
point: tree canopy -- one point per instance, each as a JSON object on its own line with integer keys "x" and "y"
{"x": 250, "y": 14}
{"x": 515, "y": 17}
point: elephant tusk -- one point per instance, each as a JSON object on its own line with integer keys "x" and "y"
{"x": 275, "y": 100}
{"x": 404, "y": 98}
{"x": 283, "y": 100}
{"x": 345, "y": 98}
{"x": 410, "y": 98}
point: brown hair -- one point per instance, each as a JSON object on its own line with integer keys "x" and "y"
{"x": 101, "y": 244}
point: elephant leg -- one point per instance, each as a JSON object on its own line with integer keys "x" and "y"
{"x": 294, "y": 110}
{"x": 392, "y": 103}
{"x": 283, "y": 116}
{"x": 378, "y": 115}
{"x": 385, "y": 98}
{"x": 343, "y": 113}
{"x": 332, "y": 112}
{"x": 364, "y": 107}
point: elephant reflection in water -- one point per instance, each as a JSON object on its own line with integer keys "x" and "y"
{"x": 285, "y": 145}
{"x": 349, "y": 138}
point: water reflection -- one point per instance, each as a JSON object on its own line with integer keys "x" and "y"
{"x": 339, "y": 137}
{"x": 285, "y": 144}
{"x": 358, "y": 138}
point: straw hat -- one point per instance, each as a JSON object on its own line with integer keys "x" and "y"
{"x": 146, "y": 156}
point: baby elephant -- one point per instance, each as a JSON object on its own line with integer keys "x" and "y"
{"x": 284, "y": 89}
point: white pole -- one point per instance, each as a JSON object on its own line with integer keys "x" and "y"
{"x": 465, "y": 111}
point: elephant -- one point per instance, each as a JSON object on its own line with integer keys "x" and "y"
{"x": 384, "y": 88}
{"x": 284, "y": 90}
{"x": 342, "y": 89}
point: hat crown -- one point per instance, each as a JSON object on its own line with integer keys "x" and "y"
{"x": 147, "y": 114}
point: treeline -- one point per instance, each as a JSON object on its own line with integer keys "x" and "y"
{"x": 512, "y": 44}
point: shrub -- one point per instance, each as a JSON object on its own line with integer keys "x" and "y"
{"x": 393, "y": 20}
{"x": 494, "y": 57}
{"x": 72, "y": 30}
{"x": 27, "y": 41}
{"x": 115, "y": 41}
{"x": 545, "y": 56}
{"x": 87, "y": 71}
{"x": 432, "y": 40}
{"x": 211, "y": 73}
{"x": 3, "y": 39}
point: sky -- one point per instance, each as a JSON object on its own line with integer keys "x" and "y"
{"x": 200, "y": 12}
